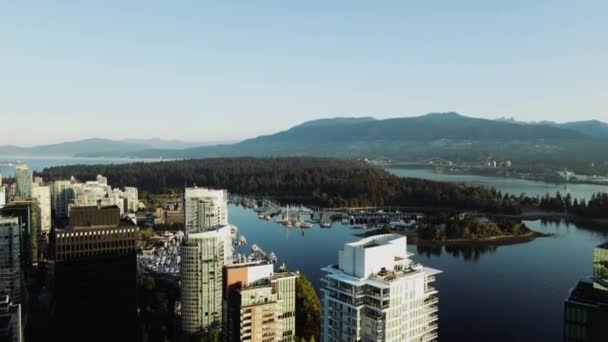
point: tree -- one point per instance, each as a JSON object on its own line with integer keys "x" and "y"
{"x": 308, "y": 310}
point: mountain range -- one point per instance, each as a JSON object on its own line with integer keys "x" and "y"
{"x": 447, "y": 135}
{"x": 93, "y": 146}
{"x": 590, "y": 127}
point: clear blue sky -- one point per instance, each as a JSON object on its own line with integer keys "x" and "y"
{"x": 215, "y": 70}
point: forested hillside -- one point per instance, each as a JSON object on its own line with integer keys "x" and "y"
{"x": 315, "y": 181}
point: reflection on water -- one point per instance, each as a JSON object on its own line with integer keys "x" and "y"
{"x": 466, "y": 252}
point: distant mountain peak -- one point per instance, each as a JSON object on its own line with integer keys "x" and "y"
{"x": 444, "y": 115}
{"x": 335, "y": 121}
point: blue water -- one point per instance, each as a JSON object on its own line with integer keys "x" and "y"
{"x": 506, "y": 293}
{"x": 513, "y": 186}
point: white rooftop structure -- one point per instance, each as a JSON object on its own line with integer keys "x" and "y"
{"x": 376, "y": 293}
{"x": 372, "y": 254}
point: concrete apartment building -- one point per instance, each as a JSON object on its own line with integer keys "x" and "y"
{"x": 205, "y": 208}
{"x": 259, "y": 304}
{"x": 67, "y": 194}
{"x": 376, "y": 293}
{"x": 42, "y": 194}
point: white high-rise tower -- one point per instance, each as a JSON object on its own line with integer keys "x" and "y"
{"x": 205, "y": 208}
{"x": 376, "y": 293}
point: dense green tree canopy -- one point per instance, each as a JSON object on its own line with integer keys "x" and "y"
{"x": 318, "y": 181}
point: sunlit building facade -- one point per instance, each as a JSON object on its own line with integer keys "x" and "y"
{"x": 259, "y": 304}
{"x": 204, "y": 253}
{"x": 376, "y": 293}
{"x": 205, "y": 208}
{"x": 42, "y": 194}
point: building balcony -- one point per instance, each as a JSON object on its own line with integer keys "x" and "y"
{"x": 376, "y": 295}
{"x": 431, "y": 336}
{"x": 347, "y": 292}
{"x": 431, "y": 301}
{"x": 429, "y": 291}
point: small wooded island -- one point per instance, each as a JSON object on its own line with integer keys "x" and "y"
{"x": 464, "y": 229}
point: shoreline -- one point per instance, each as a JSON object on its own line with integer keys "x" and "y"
{"x": 522, "y": 176}
{"x": 495, "y": 241}
{"x": 412, "y": 239}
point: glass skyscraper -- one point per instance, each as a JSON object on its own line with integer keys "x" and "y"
{"x": 24, "y": 178}
{"x": 10, "y": 261}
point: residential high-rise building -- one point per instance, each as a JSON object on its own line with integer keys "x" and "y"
{"x": 63, "y": 195}
{"x": 28, "y": 213}
{"x": 586, "y": 308}
{"x": 259, "y": 304}
{"x": 24, "y": 179}
{"x": 11, "y": 277}
{"x": 131, "y": 196}
{"x": 205, "y": 208}
{"x": 376, "y": 293}
{"x": 600, "y": 267}
{"x": 68, "y": 194}
{"x": 203, "y": 255}
{"x": 11, "y": 329}
{"x": 42, "y": 194}
{"x": 2, "y": 195}
{"x": 95, "y": 283}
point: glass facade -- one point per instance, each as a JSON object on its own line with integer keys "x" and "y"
{"x": 10, "y": 264}
{"x": 24, "y": 179}
{"x": 600, "y": 267}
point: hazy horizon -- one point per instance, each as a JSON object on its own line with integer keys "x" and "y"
{"x": 231, "y": 141}
{"x": 226, "y": 71}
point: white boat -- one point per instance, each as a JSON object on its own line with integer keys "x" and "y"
{"x": 306, "y": 225}
{"x": 272, "y": 257}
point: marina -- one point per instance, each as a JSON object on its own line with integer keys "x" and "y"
{"x": 301, "y": 217}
